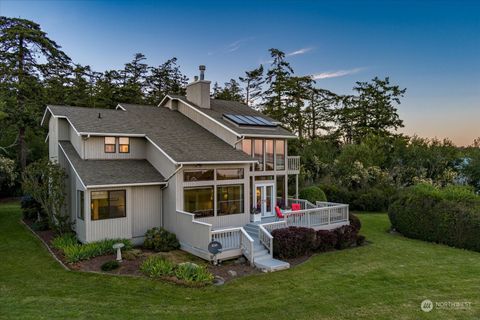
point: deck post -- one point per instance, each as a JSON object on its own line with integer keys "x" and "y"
{"x": 296, "y": 186}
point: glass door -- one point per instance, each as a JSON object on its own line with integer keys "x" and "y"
{"x": 264, "y": 199}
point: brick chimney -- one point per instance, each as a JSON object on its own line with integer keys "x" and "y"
{"x": 198, "y": 91}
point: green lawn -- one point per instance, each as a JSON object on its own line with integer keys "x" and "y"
{"x": 386, "y": 279}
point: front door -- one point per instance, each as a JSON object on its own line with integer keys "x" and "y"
{"x": 264, "y": 199}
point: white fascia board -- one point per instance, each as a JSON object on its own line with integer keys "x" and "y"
{"x": 139, "y": 135}
{"x": 119, "y": 106}
{"x": 47, "y": 137}
{"x": 138, "y": 184}
{"x": 45, "y": 114}
{"x": 269, "y": 136}
{"x": 71, "y": 164}
{"x": 218, "y": 162}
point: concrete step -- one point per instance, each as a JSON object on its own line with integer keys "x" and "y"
{"x": 268, "y": 264}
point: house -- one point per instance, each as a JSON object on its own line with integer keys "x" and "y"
{"x": 194, "y": 165}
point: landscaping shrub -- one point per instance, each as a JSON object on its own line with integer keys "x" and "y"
{"x": 191, "y": 272}
{"x": 157, "y": 266}
{"x": 74, "y": 251}
{"x": 449, "y": 215}
{"x": 312, "y": 194}
{"x": 31, "y": 209}
{"x": 40, "y": 225}
{"x": 326, "y": 240}
{"x": 159, "y": 239}
{"x": 293, "y": 242}
{"x": 346, "y": 237}
{"x": 355, "y": 221}
{"x": 372, "y": 199}
{"x": 110, "y": 265}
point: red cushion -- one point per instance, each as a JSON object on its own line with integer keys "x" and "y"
{"x": 296, "y": 206}
{"x": 278, "y": 212}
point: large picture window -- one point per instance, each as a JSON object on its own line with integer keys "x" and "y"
{"x": 258, "y": 154}
{"x": 198, "y": 175}
{"x": 229, "y": 199}
{"x": 280, "y": 154}
{"x": 269, "y": 155}
{"x": 108, "y": 204}
{"x": 199, "y": 201}
{"x": 109, "y": 145}
{"x": 80, "y": 204}
{"x": 124, "y": 145}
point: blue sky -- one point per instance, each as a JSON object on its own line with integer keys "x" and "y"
{"x": 430, "y": 47}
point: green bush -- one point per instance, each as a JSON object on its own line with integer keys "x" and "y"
{"x": 448, "y": 215}
{"x": 159, "y": 239}
{"x": 74, "y": 251}
{"x": 374, "y": 199}
{"x": 312, "y": 194}
{"x": 31, "y": 209}
{"x": 191, "y": 272}
{"x": 110, "y": 265}
{"x": 157, "y": 266}
{"x": 336, "y": 193}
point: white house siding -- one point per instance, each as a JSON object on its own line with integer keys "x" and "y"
{"x": 63, "y": 129}
{"x": 158, "y": 160}
{"x": 53, "y": 139}
{"x": 208, "y": 124}
{"x": 95, "y": 149}
{"x": 147, "y": 209}
{"x": 77, "y": 142}
{"x": 231, "y": 220}
{"x": 169, "y": 205}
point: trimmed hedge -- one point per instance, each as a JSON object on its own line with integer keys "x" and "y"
{"x": 312, "y": 194}
{"x": 376, "y": 199}
{"x": 448, "y": 215}
{"x": 293, "y": 242}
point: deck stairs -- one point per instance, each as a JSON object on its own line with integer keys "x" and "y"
{"x": 263, "y": 259}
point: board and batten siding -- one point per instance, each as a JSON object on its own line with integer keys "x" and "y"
{"x": 95, "y": 149}
{"x": 53, "y": 139}
{"x": 77, "y": 142}
{"x": 147, "y": 209}
{"x": 143, "y": 212}
{"x": 207, "y": 123}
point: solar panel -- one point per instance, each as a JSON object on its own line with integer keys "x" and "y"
{"x": 246, "y": 120}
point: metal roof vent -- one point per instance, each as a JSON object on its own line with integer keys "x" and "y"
{"x": 202, "y": 72}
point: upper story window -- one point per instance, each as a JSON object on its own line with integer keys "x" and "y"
{"x": 247, "y": 146}
{"x": 110, "y": 144}
{"x": 269, "y": 155}
{"x": 280, "y": 154}
{"x": 230, "y": 174}
{"x": 198, "y": 175}
{"x": 258, "y": 154}
{"x": 124, "y": 145}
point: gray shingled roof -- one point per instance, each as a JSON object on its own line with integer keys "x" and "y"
{"x": 178, "y": 136}
{"x": 110, "y": 172}
{"x": 220, "y": 107}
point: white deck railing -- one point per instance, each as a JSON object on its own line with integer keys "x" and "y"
{"x": 330, "y": 214}
{"x": 191, "y": 232}
{"x": 266, "y": 239}
{"x": 304, "y": 204}
{"x": 293, "y": 164}
{"x": 235, "y": 239}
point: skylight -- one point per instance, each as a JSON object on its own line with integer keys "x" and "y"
{"x": 244, "y": 120}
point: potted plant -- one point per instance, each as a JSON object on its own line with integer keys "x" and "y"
{"x": 255, "y": 215}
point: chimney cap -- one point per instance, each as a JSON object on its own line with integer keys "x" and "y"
{"x": 202, "y": 67}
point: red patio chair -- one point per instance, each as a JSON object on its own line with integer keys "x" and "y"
{"x": 296, "y": 207}
{"x": 279, "y": 213}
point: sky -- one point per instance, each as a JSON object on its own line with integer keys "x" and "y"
{"x": 432, "y": 48}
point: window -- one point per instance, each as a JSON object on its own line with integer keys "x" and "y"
{"x": 269, "y": 155}
{"x": 229, "y": 199}
{"x": 124, "y": 145}
{"x": 199, "y": 201}
{"x": 247, "y": 146}
{"x": 109, "y": 145}
{"x": 198, "y": 175}
{"x": 108, "y": 204}
{"x": 280, "y": 154}
{"x": 229, "y": 174}
{"x": 258, "y": 154}
{"x": 80, "y": 204}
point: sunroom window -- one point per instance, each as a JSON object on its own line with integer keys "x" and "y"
{"x": 229, "y": 174}
{"x": 124, "y": 145}
{"x": 198, "y": 175}
{"x": 230, "y": 199}
{"x": 280, "y": 154}
{"x": 108, "y": 204}
{"x": 110, "y": 144}
{"x": 199, "y": 201}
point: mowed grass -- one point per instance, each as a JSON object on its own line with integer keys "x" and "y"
{"x": 386, "y": 279}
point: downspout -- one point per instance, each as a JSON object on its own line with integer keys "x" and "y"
{"x": 238, "y": 141}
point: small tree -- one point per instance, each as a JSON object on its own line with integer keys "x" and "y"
{"x": 45, "y": 182}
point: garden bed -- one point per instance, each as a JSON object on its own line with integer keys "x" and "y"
{"x": 131, "y": 267}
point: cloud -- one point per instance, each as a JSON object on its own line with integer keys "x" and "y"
{"x": 298, "y": 52}
{"x": 231, "y": 47}
{"x": 335, "y": 74}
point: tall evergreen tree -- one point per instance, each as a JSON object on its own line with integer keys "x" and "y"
{"x": 133, "y": 80}
{"x": 231, "y": 91}
{"x": 165, "y": 79}
{"x": 253, "y": 81}
{"x": 24, "y": 51}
